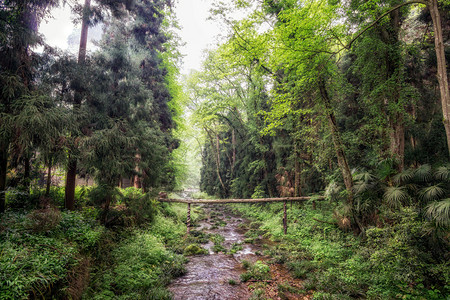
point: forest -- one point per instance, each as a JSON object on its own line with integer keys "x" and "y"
{"x": 344, "y": 103}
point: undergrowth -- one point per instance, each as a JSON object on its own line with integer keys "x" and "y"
{"x": 36, "y": 256}
{"x": 394, "y": 260}
{"x": 138, "y": 263}
{"x": 49, "y": 253}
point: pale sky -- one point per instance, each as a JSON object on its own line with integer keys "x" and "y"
{"x": 197, "y": 32}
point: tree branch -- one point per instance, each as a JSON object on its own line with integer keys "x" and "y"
{"x": 382, "y": 16}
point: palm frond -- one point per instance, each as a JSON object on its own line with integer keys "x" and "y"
{"x": 332, "y": 191}
{"x": 362, "y": 187}
{"x": 443, "y": 173}
{"x": 431, "y": 193}
{"x": 403, "y": 177}
{"x": 394, "y": 196}
{"x": 364, "y": 182}
{"x": 364, "y": 177}
{"x": 386, "y": 168}
{"x": 423, "y": 173}
{"x": 439, "y": 212}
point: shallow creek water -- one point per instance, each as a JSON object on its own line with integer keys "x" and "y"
{"x": 208, "y": 276}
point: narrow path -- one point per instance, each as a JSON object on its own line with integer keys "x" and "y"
{"x": 217, "y": 275}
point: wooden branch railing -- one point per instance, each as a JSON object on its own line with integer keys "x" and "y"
{"x": 221, "y": 201}
{"x": 241, "y": 200}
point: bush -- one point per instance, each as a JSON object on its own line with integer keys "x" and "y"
{"x": 82, "y": 196}
{"x": 19, "y": 198}
{"x": 141, "y": 210}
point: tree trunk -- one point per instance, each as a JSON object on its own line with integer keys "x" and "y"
{"x": 216, "y": 156}
{"x": 137, "y": 180}
{"x": 218, "y": 163}
{"x": 71, "y": 177}
{"x": 3, "y": 172}
{"x": 340, "y": 153}
{"x": 49, "y": 177}
{"x": 441, "y": 66}
{"x": 107, "y": 204}
{"x": 297, "y": 179}
{"x": 72, "y": 168}
{"x": 337, "y": 141}
{"x": 233, "y": 143}
{"x": 397, "y": 140}
{"x": 84, "y": 32}
{"x": 297, "y": 175}
{"x": 27, "y": 173}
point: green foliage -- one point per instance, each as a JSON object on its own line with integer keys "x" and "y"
{"x": 232, "y": 282}
{"x": 394, "y": 260}
{"x": 40, "y": 249}
{"x": 217, "y": 239}
{"x": 395, "y": 196}
{"x": 142, "y": 263}
{"x": 194, "y": 249}
{"x": 257, "y": 271}
{"x": 301, "y": 269}
{"x": 439, "y": 212}
{"x": 143, "y": 260}
{"x": 44, "y": 220}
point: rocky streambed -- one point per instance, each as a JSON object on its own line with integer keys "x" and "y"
{"x": 217, "y": 273}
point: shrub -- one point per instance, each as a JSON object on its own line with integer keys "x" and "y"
{"x": 141, "y": 210}
{"x": 20, "y": 198}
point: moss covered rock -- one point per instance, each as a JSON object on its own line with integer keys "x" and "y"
{"x": 194, "y": 249}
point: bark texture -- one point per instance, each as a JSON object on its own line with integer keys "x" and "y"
{"x": 397, "y": 140}
{"x": 70, "y": 184}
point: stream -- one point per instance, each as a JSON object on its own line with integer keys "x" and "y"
{"x": 208, "y": 276}
{"x": 217, "y": 275}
